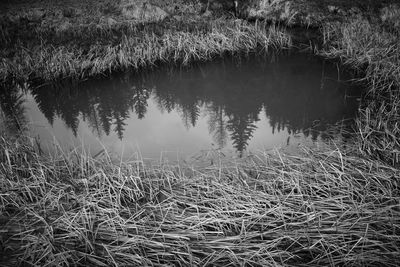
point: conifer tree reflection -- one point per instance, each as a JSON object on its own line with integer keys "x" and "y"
{"x": 12, "y": 108}
{"x": 140, "y": 97}
{"x": 242, "y": 115}
{"x": 217, "y": 125}
{"x": 94, "y": 122}
{"x": 241, "y": 129}
{"x": 231, "y": 95}
{"x": 101, "y": 104}
{"x": 190, "y": 114}
{"x": 119, "y": 124}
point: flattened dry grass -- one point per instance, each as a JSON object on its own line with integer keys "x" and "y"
{"x": 319, "y": 208}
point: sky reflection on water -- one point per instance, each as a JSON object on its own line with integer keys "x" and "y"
{"x": 234, "y": 104}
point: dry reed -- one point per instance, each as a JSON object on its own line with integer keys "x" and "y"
{"x": 318, "y": 208}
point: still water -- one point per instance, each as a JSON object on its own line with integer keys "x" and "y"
{"x": 231, "y": 104}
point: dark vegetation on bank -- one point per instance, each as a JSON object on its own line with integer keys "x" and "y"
{"x": 329, "y": 206}
{"x": 137, "y": 46}
{"x": 35, "y": 49}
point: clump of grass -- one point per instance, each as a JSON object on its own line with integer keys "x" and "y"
{"x": 390, "y": 16}
{"x": 374, "y": 50}
{"x": 368, "y": 47}
{"x": 316, "y": 209}
{"x": 143, "y": 49}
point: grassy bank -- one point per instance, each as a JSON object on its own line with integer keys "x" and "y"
{"x": 319, "y": 208}
{"x": 89, "y": 51}
{"x": 373, "y": 49}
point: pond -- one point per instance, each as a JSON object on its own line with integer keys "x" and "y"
{"x": 233, "y": 104}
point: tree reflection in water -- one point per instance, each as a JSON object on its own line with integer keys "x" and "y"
{"x": 12, "y": 110}
{"x": 297, "y": 92}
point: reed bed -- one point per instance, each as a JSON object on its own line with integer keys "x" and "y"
{"x": 320, "y": 208}
{"x": 141, "y": 49}
{"x": 374, "y": 50}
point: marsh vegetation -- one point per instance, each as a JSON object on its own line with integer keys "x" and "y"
{"x": 131, "y": 46}
{"x": 320, "y": 207}
{"x": 331, "y": 204}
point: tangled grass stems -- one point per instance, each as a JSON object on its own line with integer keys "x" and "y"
{"x": 316, "y": 209}
{"x": 376, "y": 52}
{"x": 50, "y": 62}
{"x": 368, "y": 47}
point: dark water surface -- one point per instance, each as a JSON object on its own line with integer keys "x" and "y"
{"x": 234, "y": 104}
